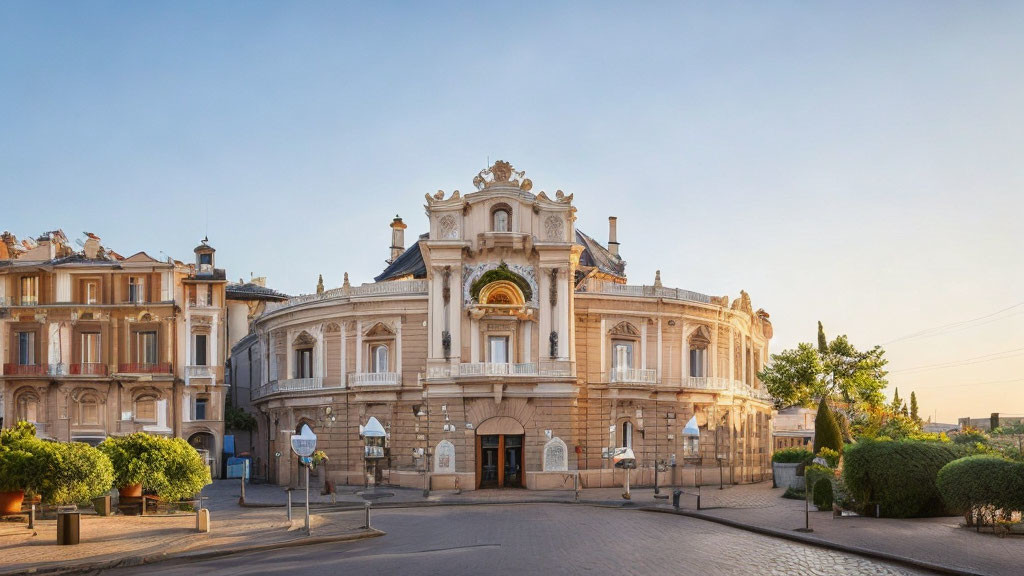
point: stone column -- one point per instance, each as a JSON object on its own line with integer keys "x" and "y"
{"x": 474, "y": 342}
{"x": 563, "y": 313}
{"x": 685, "y": 364}
{"x": 359, "y": 347}
{"x": 732, "y": 354}
{"x": 643, "y": 343}
{"x": 659, "y": 349}
{"x": 398, "y": 348}
{"x": 344, "y": 353}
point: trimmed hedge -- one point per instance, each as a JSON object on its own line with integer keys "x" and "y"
{"x": 823, "y": 494}
{"x": 898, "y": 475}
{"x": 168, "y": 467}
{"x": 974, "y": 483}
{"x": 71, "y": 472}
{"x": 827, "y": 433}
{"x": 792, "y": 456}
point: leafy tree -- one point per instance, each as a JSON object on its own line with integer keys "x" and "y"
{"x": 913, "y": 407}
{"x": 842, "y": 373}
{"x": 238, "y": 420}
{"x": 827, "y": 433}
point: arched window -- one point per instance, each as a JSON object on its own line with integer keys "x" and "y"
{"x": 380, "y": 359}
{"x": 145, "y": 409}
{"x": 27, "y": 407}
{"x": 627, "y": 435}
{"x": 88, "y": 410}
{"x": 502, "y": 219}
{"x": 699, "y": 342}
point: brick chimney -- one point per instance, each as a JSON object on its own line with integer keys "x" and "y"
{"x": 397, "y": 238}
{"x": 613, "y": 243}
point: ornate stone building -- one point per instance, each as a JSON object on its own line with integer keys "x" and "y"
{"x": 505, "y": 348}
{"x": 95, "y": 344}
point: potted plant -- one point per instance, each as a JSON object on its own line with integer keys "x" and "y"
{"x": 136, "y": 459}
{"x": 17, "y": 450}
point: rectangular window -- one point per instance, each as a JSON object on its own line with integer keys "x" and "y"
{"x": 206, "y": 259}
{"x": 27, "y": 348}
{"x": 622, "y": 354}
{"x": 201, "y": 408}
{"x": 136, "y": 289}
{"x": 498, "y": 347}
{"x": 91, "y": 348}
{"x": 145, "y": 343}
{"x": 200, "y": 357}
{"x": 304, "y": 363}
{"x": 30, "y": 291}
{"x": 697, "y": 362}
{"x": 92, "y": 292}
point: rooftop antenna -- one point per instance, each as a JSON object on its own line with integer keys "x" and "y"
{"x": 207, "y": 234}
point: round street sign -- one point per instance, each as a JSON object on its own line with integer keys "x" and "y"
{"x": 304, "y": 443}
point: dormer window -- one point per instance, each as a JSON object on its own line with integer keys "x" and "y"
{"x": 501, "y": 218}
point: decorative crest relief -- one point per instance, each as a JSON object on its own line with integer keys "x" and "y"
{"x": 501, "y": 172}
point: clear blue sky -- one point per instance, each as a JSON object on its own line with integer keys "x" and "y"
{"x": 857, "y": 163}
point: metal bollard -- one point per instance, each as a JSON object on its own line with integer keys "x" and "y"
{"x": 367, "y": 516}
{"x": 289, "y": 505}
{"x": 675, "y": 498}
{"x": 32, "y": 516}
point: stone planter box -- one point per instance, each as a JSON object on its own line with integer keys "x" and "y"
{"x": 785, "y": 476}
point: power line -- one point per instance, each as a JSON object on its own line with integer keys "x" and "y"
{"x": 966, "y": 361}
{"x": 952, "y": 326}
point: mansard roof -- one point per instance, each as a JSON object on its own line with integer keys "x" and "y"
{"x": 253, "y": 291}
{"x": 410, "y": 262}
{"x": 597, "y": 256}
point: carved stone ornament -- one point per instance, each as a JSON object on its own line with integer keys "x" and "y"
{"x": 553, "y": 292}
{"x": 446, "y": 289}
{"x": 448, "y": 226}
{"x": 446, "y": 343}
{"x": 502, "y": 173}
{"x": 554, "y": 228}
{"x": 470, "y": 274}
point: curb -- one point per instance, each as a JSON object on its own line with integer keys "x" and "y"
{"x": 184, "y": 557}
{"x": 797, "y": 537}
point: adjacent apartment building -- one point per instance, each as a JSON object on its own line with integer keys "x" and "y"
{"x": 505, "y": 348}
{"x": 95, "y": 344}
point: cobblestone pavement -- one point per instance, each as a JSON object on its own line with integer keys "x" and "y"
{"x": 541, "y": 539}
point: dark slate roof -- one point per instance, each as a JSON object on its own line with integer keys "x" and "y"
{"x": 250, "y": 291}
{"x": 599, "y": 257}
{"x": 410, "y": 262}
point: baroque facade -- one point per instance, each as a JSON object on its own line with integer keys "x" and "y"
{"x": 95, "y": 344}
{"x": 506, "y": 348}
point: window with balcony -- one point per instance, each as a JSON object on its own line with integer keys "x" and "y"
{"x": 29, "y": 290}
{"x": 136, "y": 289}
{"x": 622, "y": 355}
{"x": 200, "y": 350}
{"x": 304, "y": 363}
{"x": 497, "y": 349}
{"x": 27, "y": 348}
{"x": 699, "y": 343}
{"x": 379, "y": 358}
{"x": 146, "y": 347}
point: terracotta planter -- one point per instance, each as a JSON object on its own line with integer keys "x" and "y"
{"x": 130, "y": 491}
{"x": 10, "y": 502}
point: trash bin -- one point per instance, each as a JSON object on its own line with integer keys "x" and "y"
{"x": 101, "y": 505}
{"x": 675, "y": 497}
{"x": 68, "y": 527}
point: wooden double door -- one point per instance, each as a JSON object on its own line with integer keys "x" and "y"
{"x": 499, "y": 461}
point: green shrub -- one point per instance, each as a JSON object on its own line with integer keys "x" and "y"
{"x": 898, "y": 475}
{"x": 794, "y": 494}
{"x": 827, "y": 433}
{"x": 71, "y": 472}
{"x": 976, "y": 483}
{"x": 830, "y": 456}
{"x": 18, "y": 449}
{"x": 791, "y": 456}
{"x": 971, "y": 437}
{"x": 823, "y": 494}
{"x": 170, "y": 468}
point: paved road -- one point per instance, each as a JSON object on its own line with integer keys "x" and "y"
{"x": 540, "y": 539}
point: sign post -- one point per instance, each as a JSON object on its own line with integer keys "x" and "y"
{"x": 303, "y": 444}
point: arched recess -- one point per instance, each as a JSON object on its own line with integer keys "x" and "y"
{"x": 500, "y": 425}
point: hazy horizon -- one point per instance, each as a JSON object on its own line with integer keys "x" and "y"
{"x": 854, "y": 164}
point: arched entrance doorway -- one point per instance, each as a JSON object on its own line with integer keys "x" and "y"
{"x": 499, "y": 453}
{"x": 206, "y": 445}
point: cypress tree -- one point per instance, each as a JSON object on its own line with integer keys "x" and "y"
{"x": 822, "y": 342}
{"x": 827, "y": 433}
{"x": 896, "y": 402}
{"x": 913, "y": 407}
